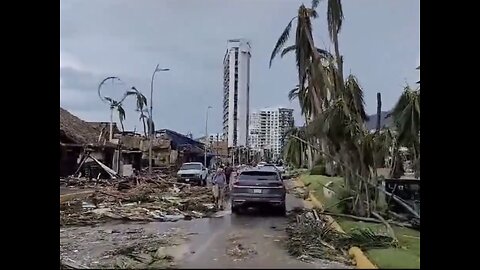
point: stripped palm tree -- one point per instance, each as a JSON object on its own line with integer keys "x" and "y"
{"x": 313, "y": 86}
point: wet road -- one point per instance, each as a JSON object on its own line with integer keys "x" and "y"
{"x": 251, "y": 240}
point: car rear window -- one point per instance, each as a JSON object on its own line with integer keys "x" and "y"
{"x": 257, "y": 175}
{"x": 191, "y": 167}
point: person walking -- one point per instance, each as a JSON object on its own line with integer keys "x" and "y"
{"x": 218, "y": 188}
{"x": 228, "y": 174}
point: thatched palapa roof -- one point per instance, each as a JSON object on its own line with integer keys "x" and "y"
{"x": 76, "y": 130}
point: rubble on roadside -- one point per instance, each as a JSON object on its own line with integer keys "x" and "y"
{"x": 311, "y": 236}
{"x": 300, "y": 192}
{"x": 137, "y": 198}
{"x": 127, "y": 248}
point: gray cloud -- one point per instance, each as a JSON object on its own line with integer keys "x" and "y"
{"x": 379, "y": 41}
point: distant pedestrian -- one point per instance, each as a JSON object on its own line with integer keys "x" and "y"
{"x": 218, "y": 188}
{"x": 228, "y": 173}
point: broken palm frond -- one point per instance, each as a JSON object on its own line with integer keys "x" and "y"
{"x": 410, "y": 225}
{"x": 312, "y": 236}
{"x": 368, "y": 239}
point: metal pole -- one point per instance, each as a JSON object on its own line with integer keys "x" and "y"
{"x": 150, "y": 126}
{"x": 206, "y": 138}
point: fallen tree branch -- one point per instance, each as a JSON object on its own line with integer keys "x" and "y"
{"x": 374, "y": 220}
{"x": 337, "y": 203}
{"x": 397, "y": 216}
{"x": 389, "y": 228}
{"x": 112, "y": 195}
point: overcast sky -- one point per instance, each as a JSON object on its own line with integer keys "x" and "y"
{"x": 380, "y": 42}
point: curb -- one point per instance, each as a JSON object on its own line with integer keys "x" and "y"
{"x": 362, "y": 262}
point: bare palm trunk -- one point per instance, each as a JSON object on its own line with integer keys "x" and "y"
{"x": 379, "y": 110}
{"x": 111, "y": 124}
{"x": 338, "y": 57}
{"x": 144, "y": 126}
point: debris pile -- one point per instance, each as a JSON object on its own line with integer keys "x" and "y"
{"x": 127, "y": 249}
{"x": 139, "y": 198}
{"x": 311, "y": 236}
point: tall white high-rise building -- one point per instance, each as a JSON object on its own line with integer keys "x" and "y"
{"x": 268, "y": 128}
{"x": 236, "y": 92}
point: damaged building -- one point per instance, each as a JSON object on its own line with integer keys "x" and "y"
{"x": 85, "y": 149}
{"x": 170, "y": 149}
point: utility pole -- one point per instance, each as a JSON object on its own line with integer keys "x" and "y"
{"x": 207, "y": 139}
{"x": 150, "y": 123}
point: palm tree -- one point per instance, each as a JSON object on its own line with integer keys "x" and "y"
{"x": 113, "y": 104}
{"x": 118, "y": 105}
{"x": 406, "y": 116}
{"x": 295, "y": 151}
{"x": 306, "y": 54}
{"x": 141, "y": 105}
{"x": 314, "y": 87}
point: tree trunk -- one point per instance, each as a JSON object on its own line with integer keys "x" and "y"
{"x": 379, "y": 111}
{"x": 144, "y": 126}
{"x": 309, "y": 157}
{"x": 338, "y": 57}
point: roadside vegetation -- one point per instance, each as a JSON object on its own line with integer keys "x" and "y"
{"x": 334, "y": 143}
{"x": 406, "y": 255}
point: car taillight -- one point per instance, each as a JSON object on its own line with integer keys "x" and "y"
{"x": 275, "y": 184}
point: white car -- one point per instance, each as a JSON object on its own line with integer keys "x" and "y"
{"x": 261, "y": 164}
{"x": 193, "y": 172}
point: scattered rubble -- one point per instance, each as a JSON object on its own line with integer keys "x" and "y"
{"x": 124, "y": 248}
{"x": 311, "y": 236}
{"x": 237, "y": 249}
{"x": 137, "y": 198}
{"x": 300, "y": 192}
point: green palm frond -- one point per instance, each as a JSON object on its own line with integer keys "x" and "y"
{"x": 293, "y": 94}
{"x": 281, "y": 41}
{"x": 121, "y": 115}
{"x": 354, "y": 95}
{"x": 406, "y": 115}
{"x": 288, "y": 49}
{"x": 367, "y": 238}
{"x": 334, "y": 17}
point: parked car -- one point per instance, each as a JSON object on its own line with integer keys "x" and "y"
{"x": 259, "y": 186}
{"x": 261, "y": 164}
{"x": 193, "y": 172}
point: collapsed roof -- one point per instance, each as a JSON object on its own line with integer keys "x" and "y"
{"x": 74, "y": 130}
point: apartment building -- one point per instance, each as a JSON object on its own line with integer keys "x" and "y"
{"x": 236, "y": 92}
{"x": 268, "y": 128}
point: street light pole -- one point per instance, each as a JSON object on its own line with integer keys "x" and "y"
{"x": 206, "y": 138}
{"x": 150, "y": 123}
